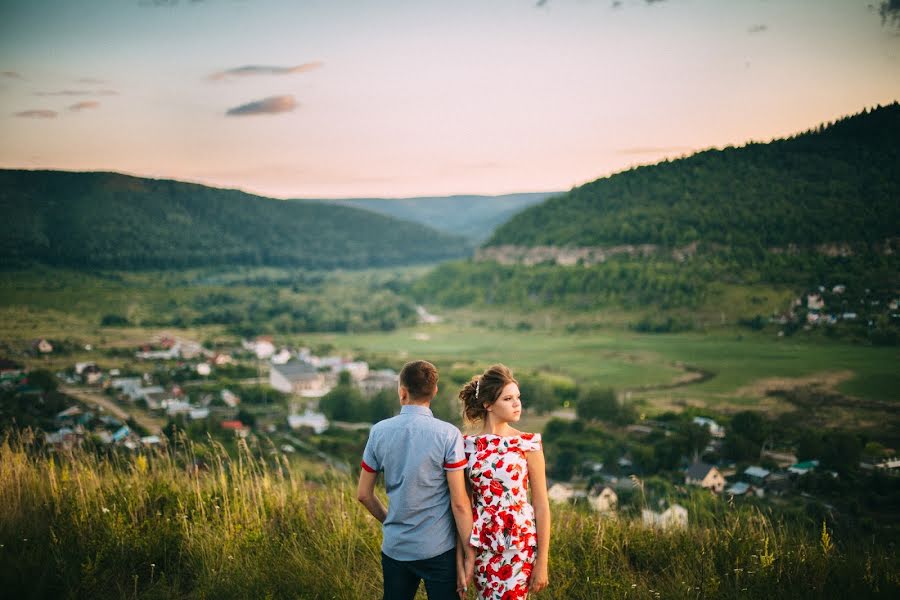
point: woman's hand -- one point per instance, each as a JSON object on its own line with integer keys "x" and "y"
{"x": 539, "y": 578}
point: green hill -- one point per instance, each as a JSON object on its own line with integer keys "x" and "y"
{"x": 736, "y": 232}
{"x": 108, "y": 220}
{"x": 833, "y": 184}
{"x": 474, "y": 217}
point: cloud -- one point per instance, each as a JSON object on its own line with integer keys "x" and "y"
{"x": 79, "y": 106}
{"x": 267, "y": 106}
{"x": 37, "y": 114}
{"x": 91, "y": 81}
{"x": 12, "y": 75}
{"x": 255, "y": 70}
{"x": 758, "y": 29}
{"x": 78, "y": 93}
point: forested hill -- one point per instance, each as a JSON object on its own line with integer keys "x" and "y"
{"x": 474, "y": 217}
{"x": 835, "y": 184}
{"x": 108, "y": 220}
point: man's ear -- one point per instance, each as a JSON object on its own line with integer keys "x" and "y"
{"x": 403, "y": 393}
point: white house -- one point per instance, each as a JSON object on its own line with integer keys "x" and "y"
{"x": 375, "y": 381}
{"x": 674, "y": 517}
{"x": 229, "y": 398}
{"x": 606, "y": 500}
{"x": 714, "y": 428}
{"x": 564, "y": 492}
{"x": 705, "y": 476}
{"x": 314, "y": 420}
{"x": 298, "y": 377}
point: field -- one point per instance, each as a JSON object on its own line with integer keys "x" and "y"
{"x": 154, "y": 526}
{"x": 724, "y": 368}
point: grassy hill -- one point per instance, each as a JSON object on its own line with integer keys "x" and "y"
{"x": 819, "y": 209}
{"x": 196, "y": 523}
{"x": 107, "y": 220}
{"x": 474, "y": 217}
{"x": 833, "y": 184}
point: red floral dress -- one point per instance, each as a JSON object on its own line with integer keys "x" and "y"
{"x": 503, "y": 531}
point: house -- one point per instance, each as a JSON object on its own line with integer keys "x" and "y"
{"x": 802, "y": 468}
{"x": 127, "y": 385}
{"x": 705, "y": 476}
{"x": 715, "y": 430}
{"x": 282, "y": 357}
{"x": 90, "y": 373}
{"x": 262, "y": 347}
{"x": 314, "y": 420}
{"x": 358, "y": 369}
{"x": 10, "y": 370}
{"x": 603, "y": 499}
{"x": 298, "y": 377}
{"x": 222, "y": 359}
{"x": 229, "y": 398}
{"x": 375, "y": 381}
{"x": 176, "y": 407}
{"x": 674, "y": 517}
{"x": 564, "y": 492}
{"x": 738, "y": 489}
{"x": 756, "y": 475}
{"x": 814, "y": 302}
{"x": 237, "y": 427}
{"x": 198, "y": 414}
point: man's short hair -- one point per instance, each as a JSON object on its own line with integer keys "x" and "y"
{"x": 420, "y": 378}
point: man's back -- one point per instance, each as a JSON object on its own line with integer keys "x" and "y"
{"x": 415, "y": 450}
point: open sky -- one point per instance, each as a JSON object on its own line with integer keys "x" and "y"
{"x": 341, "y": 98}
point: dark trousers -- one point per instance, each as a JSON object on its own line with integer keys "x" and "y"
{"x": 402, "y": 577}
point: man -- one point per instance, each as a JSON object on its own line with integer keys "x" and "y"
{"x": 428, "y": 508}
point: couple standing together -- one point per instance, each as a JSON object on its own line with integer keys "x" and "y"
{"x": 458, "y": 505}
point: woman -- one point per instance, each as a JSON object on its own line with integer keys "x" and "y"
{"x": 511, "y": 537}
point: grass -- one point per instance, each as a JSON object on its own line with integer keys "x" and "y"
{"x": 154, "y": 525}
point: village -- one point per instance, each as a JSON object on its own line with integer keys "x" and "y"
{"x": 263, "y": 390}
{"x": 275, "y": 389}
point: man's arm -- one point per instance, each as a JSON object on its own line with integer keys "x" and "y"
{"x": 462, "y": 514}
{"x": 365, "y": 493}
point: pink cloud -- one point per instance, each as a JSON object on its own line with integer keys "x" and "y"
{"x": 267, "y": 106}
{"x": 78, "y": 106}
{"x": 37, "y": 114}
{"x": 256, "y": 70}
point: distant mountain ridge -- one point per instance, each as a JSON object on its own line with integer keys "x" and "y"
{"x": 109, "y": 220}
{"x": 835, "y": 184}
{"x": 471, "y": 216}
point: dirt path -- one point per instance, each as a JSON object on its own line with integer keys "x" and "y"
{"x": 89, "y": 396}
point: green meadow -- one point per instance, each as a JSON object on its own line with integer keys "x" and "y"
{"x": 153, "y": 525}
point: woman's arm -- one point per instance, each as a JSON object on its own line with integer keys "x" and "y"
{"x": 541, "y": 504}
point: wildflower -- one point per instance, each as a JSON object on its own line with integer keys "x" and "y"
{"x": 104, "y": 510}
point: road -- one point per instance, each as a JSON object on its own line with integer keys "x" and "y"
{"x": 91, "y": 396}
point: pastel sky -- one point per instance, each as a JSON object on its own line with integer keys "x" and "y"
{"x": 392, "y": 98}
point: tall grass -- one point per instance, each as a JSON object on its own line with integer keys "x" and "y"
{"x": 191, "y": 522}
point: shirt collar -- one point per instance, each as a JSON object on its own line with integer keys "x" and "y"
{"x": 416, "y": 409}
